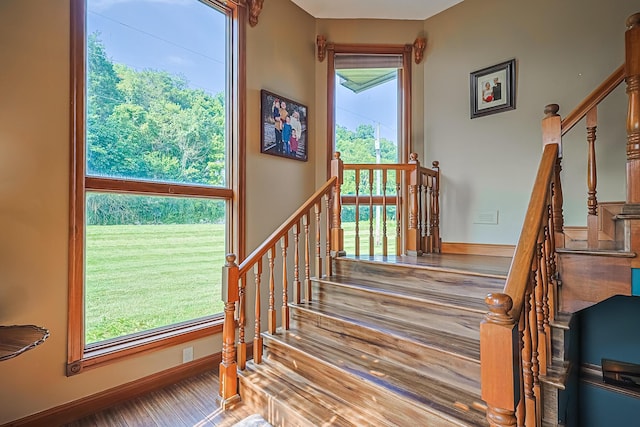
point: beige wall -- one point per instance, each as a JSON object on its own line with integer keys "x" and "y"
{"x": 563, "y": 50}
{"x": 34, "y": 186}
{"x": 371, "y": 31}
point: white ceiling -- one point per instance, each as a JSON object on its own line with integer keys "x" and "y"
{"x": 375, "y": 9}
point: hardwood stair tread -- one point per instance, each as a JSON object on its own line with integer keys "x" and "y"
{"x": 446, "y": 342}
{"x": 480, "y": 265}
{"x": 318, "y": 406}
{"x": 427, "y": 295}
{"x": 598, "y": 252}
{"x": 411, "y": 385}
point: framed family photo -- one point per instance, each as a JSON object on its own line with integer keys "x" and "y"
{"x": 493, "y": 89}
{"x": 284, "y": 130}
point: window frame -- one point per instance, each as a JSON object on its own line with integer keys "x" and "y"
{"x": 404, "y": 89}
{"x": 80, "y": 356}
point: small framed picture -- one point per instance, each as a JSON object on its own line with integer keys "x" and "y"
{"x": 493, "y": 89}
{"x": 284, "y": 130}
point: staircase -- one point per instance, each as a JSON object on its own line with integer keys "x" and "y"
{"x": 391, "y": 341}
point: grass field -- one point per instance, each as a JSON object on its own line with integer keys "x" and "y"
{"x": 140, "y": 277}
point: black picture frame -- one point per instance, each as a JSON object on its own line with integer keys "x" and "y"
{"x": 493, "y": 89}
{"x": 272, "y": 139}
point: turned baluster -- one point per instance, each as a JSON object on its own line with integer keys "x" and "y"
{"x": 257, "y": 336}
{"x": 592, "y": 180}
{"x": 539, "y": 294}
{"x": 632, "y": 73}
{"x": 427, "y": 198}
{"x": 527, "y": 361}
{"x": 318, "y": 264}
{"x": 327, "y": 253}
{"x": 413, "y": 232}
{"x": 521, "y": 409}
{"x": 435, "y": 208}
{"x": 500, "y": 375}
{"x": 307, "y": 259}
{"x": 337, "y": 232}
{"x": 551, "y": 270}
{"x": 284, "y": 242}
{"x": 271, "y": 255}
{"x": 384, "y": 213}
{"x": 371, "y": 238}
{"x": 242, "y": 320}
{"x": 552, "y": 134}
{"x": 297, "y": 298}
{"x": 534, "y": 409}
{"x": 228, "y": 366}
{"x": 548, "y": 283}
{"x": 357, "y": 226}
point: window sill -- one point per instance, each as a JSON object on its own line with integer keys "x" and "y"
{"x": 104, "y": 353}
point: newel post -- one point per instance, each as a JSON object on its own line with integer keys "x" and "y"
{"x": 499, "y": 362}
{"x": 337, "y": 233}
{"x": 414, "y": 247}
{"x": 632, "y": 74}
{"x": 228, "y": 366}
{"x": 552, "y": 134}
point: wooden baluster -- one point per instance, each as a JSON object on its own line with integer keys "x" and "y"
{"x": 327, "y": 254}
{"x": 527, "y": 360}
{"x": 521, "y": 409}
{"x": 435, "y": 203}
{"x": 552, "y": 134}
{"x": 428, "y": 221}
{"x": 284, "y": 242}
{"x": 297, "y": 298}
{"x": 398, "y": 214}
{"x": 539, "y": 293}
{"x": 384, "y": 213}
{"x": 336, "y": 237}
{"x": 318, "y": 265}
{"x": 357, "y": 229}
{"x": 271, "y": 255}
{"x": 228, "y": 367}
{"x": 548, "y": 283}
{"x": 413, "y": 232}
{"x": 257, "y": 334}
{"x": 242, "y": 321}
{"x": 632, "y": 73}
{"x": 371, "y": 239}
{"x": 535, "y": 347}
{"x": 552, "y": 269}
{"x": 592, "y": 180}
{"x": 499, "y": 371}
{"x": 307, "y": 259}
{"x": 422, "y": 217}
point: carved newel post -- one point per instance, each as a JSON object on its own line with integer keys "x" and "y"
{"x": 228, "y": 366}
{"x": 552, "y": 134}
{"x": 632, "y": 73}
{"x": 499, "y": 364}
{"x": 337, "y": 233}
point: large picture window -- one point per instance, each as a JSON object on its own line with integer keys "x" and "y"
{"x": 155, "y": 167}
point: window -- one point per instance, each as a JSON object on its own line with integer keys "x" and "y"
{"x": 155, "y": 166}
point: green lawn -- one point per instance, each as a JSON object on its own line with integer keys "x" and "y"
{"x": 140, "y": 277}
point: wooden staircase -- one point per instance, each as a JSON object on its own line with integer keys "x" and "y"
{"x": 384, "y": 341}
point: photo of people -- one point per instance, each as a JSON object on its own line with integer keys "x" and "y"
{"x": 284, "y": 127}
{"x": 491, "y": 90}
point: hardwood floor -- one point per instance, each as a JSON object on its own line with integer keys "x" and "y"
{"x": 193, "y": 402}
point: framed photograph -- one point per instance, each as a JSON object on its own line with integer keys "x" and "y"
{"x": 493, "y": 89}
{"x": 284, "y": 127}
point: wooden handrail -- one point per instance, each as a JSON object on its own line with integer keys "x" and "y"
{"x": 270, "y": 241}
{"x": 593, "y": 99}
{"x": 520, "y": 269}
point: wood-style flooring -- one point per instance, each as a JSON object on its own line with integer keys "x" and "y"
{"x": 189, "y": 403}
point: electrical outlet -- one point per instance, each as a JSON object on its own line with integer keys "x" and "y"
{"x": 187, "y": 354}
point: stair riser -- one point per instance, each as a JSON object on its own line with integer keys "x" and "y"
{"x": 362, "y": 394}
{"x": 440, "y": 281}
{"x": 446, "y": 367}
{"x": 434, "y": 316}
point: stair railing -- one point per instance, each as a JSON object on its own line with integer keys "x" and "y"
{"x": 380, "y": 186}
{"x": 317, "y": 232}
{"x": 589, "y": 108}
{"x": 515, "y": 339}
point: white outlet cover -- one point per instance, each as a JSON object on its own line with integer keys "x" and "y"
{"x": 187, "y": 354}
{"x": 486, "y": 217}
